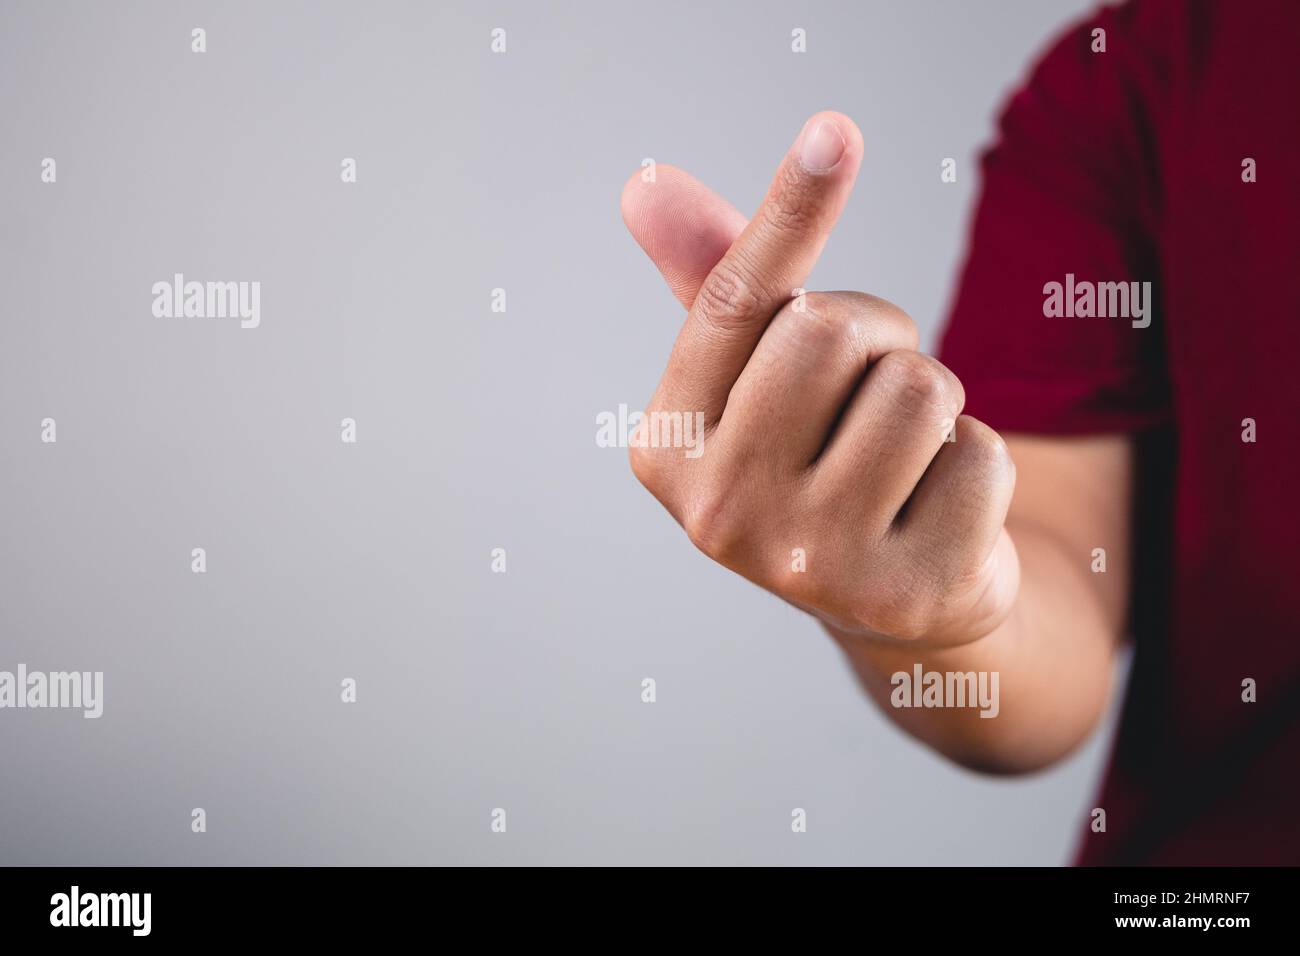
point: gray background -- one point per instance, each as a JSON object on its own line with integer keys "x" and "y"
{"x": 476, "y": 430}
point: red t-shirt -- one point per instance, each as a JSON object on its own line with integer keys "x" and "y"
{"x": 1131, "y": 165}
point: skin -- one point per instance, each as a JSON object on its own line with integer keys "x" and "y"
{"x": 825, "y": 429}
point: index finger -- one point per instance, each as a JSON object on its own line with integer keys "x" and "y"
{"x": 772, "y": 257}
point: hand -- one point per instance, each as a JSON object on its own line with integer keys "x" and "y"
{"x": 827, "y": 434}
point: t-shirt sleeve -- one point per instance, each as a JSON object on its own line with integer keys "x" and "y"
{"x": 1069, "y": 188}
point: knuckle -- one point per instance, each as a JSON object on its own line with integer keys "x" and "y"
{"x": 728, "y": 292}
{"x": 832, "y": 323}
{"x": 919, "y": 382}
{"x": 818, "y": 321}
{"x": 793, "y": 573}
{"x": 898, "y": 323}
{"x": 712, "y": 524}
{"x": 891, "y": 327}
{"x": 984, "y": 448}
{"x": 646, "y": 467}
{"x": 817, "y": 305}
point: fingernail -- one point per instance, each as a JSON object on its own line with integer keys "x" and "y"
{"x": 822, "y": 146}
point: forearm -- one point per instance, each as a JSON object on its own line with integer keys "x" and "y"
{"x": 1054, "y": 657}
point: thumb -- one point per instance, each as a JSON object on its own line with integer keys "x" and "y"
{"x": 683, "y": 226}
